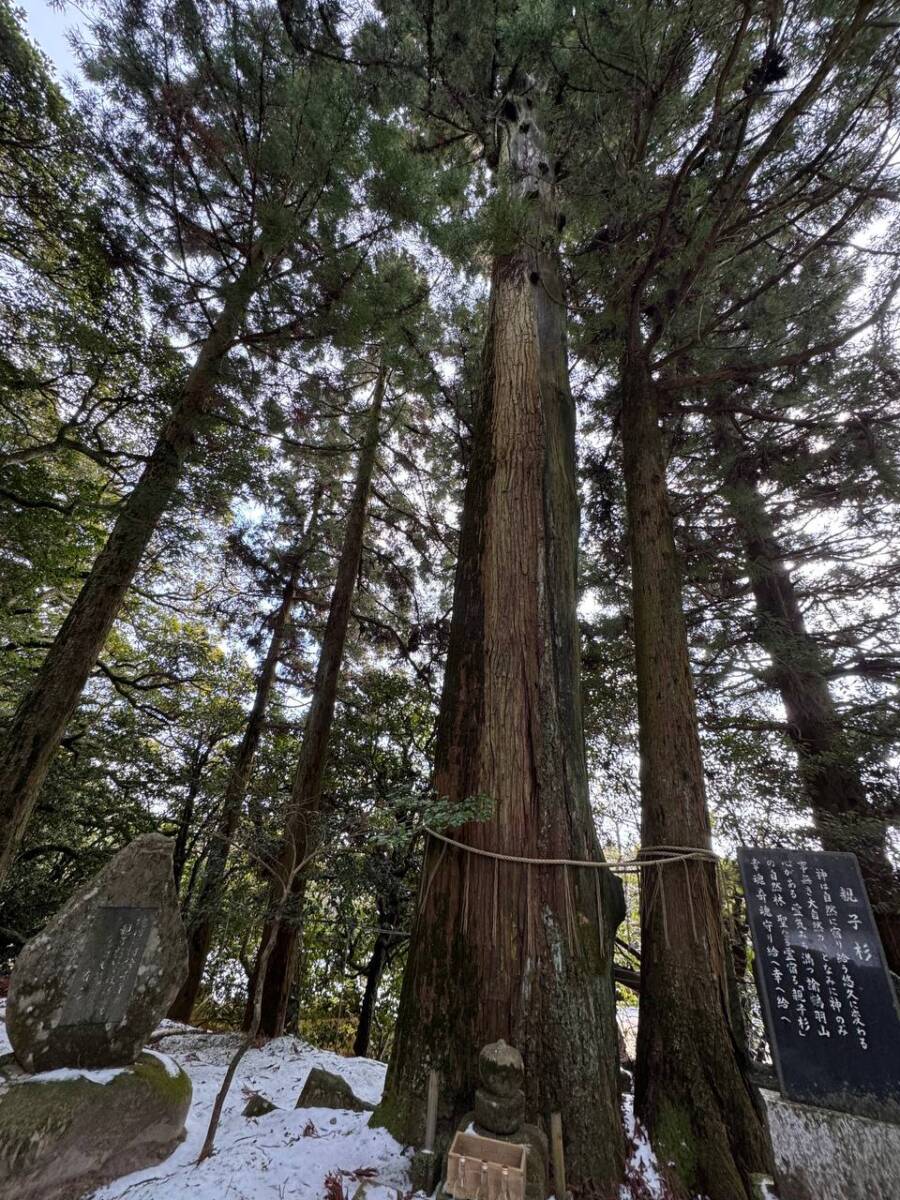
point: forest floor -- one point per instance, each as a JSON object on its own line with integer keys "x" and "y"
{"x": 290, "y": 1153}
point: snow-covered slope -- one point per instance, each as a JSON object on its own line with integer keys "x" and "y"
{"x": 289, "y": 1153}
{"x": 286, "y": 1153}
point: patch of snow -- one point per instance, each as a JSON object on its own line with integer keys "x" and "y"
{"x": 103, "y": 1075}
{"x": 627, "y": 1018}
{"x": 642, "y": 1171}
{"x": 171, "y": 1066}
{"x": 286, "y": 1153}
{"x": 289, "y": 1152}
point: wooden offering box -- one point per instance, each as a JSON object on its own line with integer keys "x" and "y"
{"x": 466, "y": 1180}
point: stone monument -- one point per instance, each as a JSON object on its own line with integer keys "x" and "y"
{"x": 500, "y": 1113}
{"x": 833, "y": 1023}
{"x": 80, "y": 1102}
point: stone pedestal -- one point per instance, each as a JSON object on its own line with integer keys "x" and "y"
{"x": 822, "y": 1154}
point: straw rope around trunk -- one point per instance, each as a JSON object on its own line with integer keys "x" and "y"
{"x": 664, "y": 855}
{"x": 655, "y": 857}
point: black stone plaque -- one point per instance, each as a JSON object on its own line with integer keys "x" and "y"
{"x": 828, "y": 999}
{"x": 108, "y": 967}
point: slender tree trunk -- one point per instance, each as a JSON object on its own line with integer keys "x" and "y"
{"x": 843, "y": 815}
{"x": 691, "y": 1089}
{"x": 374, "y": 971}
{"x": 251, "y": 1034}
{"x": 40, "y": 720}
{"x": 204, "y": 916}
{"x": 507, "y": 951}
{"x": 199, "y": 759}
{"x": 303, "y": 818}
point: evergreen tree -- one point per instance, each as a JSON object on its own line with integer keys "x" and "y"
{"x": 204, "y": 911}
{"x": 726, "y": 110}
{"x": 228, "y": 151}
{"x": 510, "y": 720}
{"x": 276, "y": 961}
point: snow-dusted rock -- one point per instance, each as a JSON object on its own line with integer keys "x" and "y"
{"x": 325, "y": 1089}
{"x": 258, "y": 1106}
{"x": 65, "y": 1131}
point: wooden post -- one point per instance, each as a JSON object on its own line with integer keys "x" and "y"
{"x": 559, "y": 1161}
{"x": 434, "y": 1080}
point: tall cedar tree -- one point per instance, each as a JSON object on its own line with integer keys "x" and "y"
{"x": 844, "y": 815}
{"x": 705, "y": 130}
{"x": 227, "y": 150}
{"x": 501, "y": 951}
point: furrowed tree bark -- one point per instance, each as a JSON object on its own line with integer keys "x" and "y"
{"x": 507, "y": 951}
{"x": 41, "y": 718}
{"x": 203, "y": 919}
{"x": 843, "y": 815}
{"x": 303, "y": 819}
{"x": 691, "y": 1090}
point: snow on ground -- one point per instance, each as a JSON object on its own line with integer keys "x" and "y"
{"x": 643, "y": 1179}
{"x": 284, "y": 1154}
{"x": 287, "y": 1154}
{"x": 627, "y": 1020}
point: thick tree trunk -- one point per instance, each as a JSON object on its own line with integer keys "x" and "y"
{"x": 374, "y": 971}
{"x": 843, "y": 816}
{"x": 40, "y": 720}
{"x": 303, "y": 818}
{"x": 503, "y": 950}
{"x": 691, "y": 1090}
{"x": 203, "y": 918}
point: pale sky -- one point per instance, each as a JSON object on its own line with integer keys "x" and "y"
{"x": 48, "y": 28}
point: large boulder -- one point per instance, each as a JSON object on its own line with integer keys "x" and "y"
{"x": 63, "y": 1134}
{"x": 91, "y": 987}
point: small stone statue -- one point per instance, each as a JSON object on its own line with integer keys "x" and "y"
{"x": 500, "y": 1113}
{"x": 500, "y": 1101}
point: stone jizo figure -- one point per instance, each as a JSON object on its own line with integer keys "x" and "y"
{"x": 500, "y": 1113}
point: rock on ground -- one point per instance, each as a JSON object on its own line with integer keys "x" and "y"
{"x": 325, "y": 1089}
{"x": 64, "y": 1132}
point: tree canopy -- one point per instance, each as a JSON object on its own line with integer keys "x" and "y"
{"x": 424, "y": 418}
